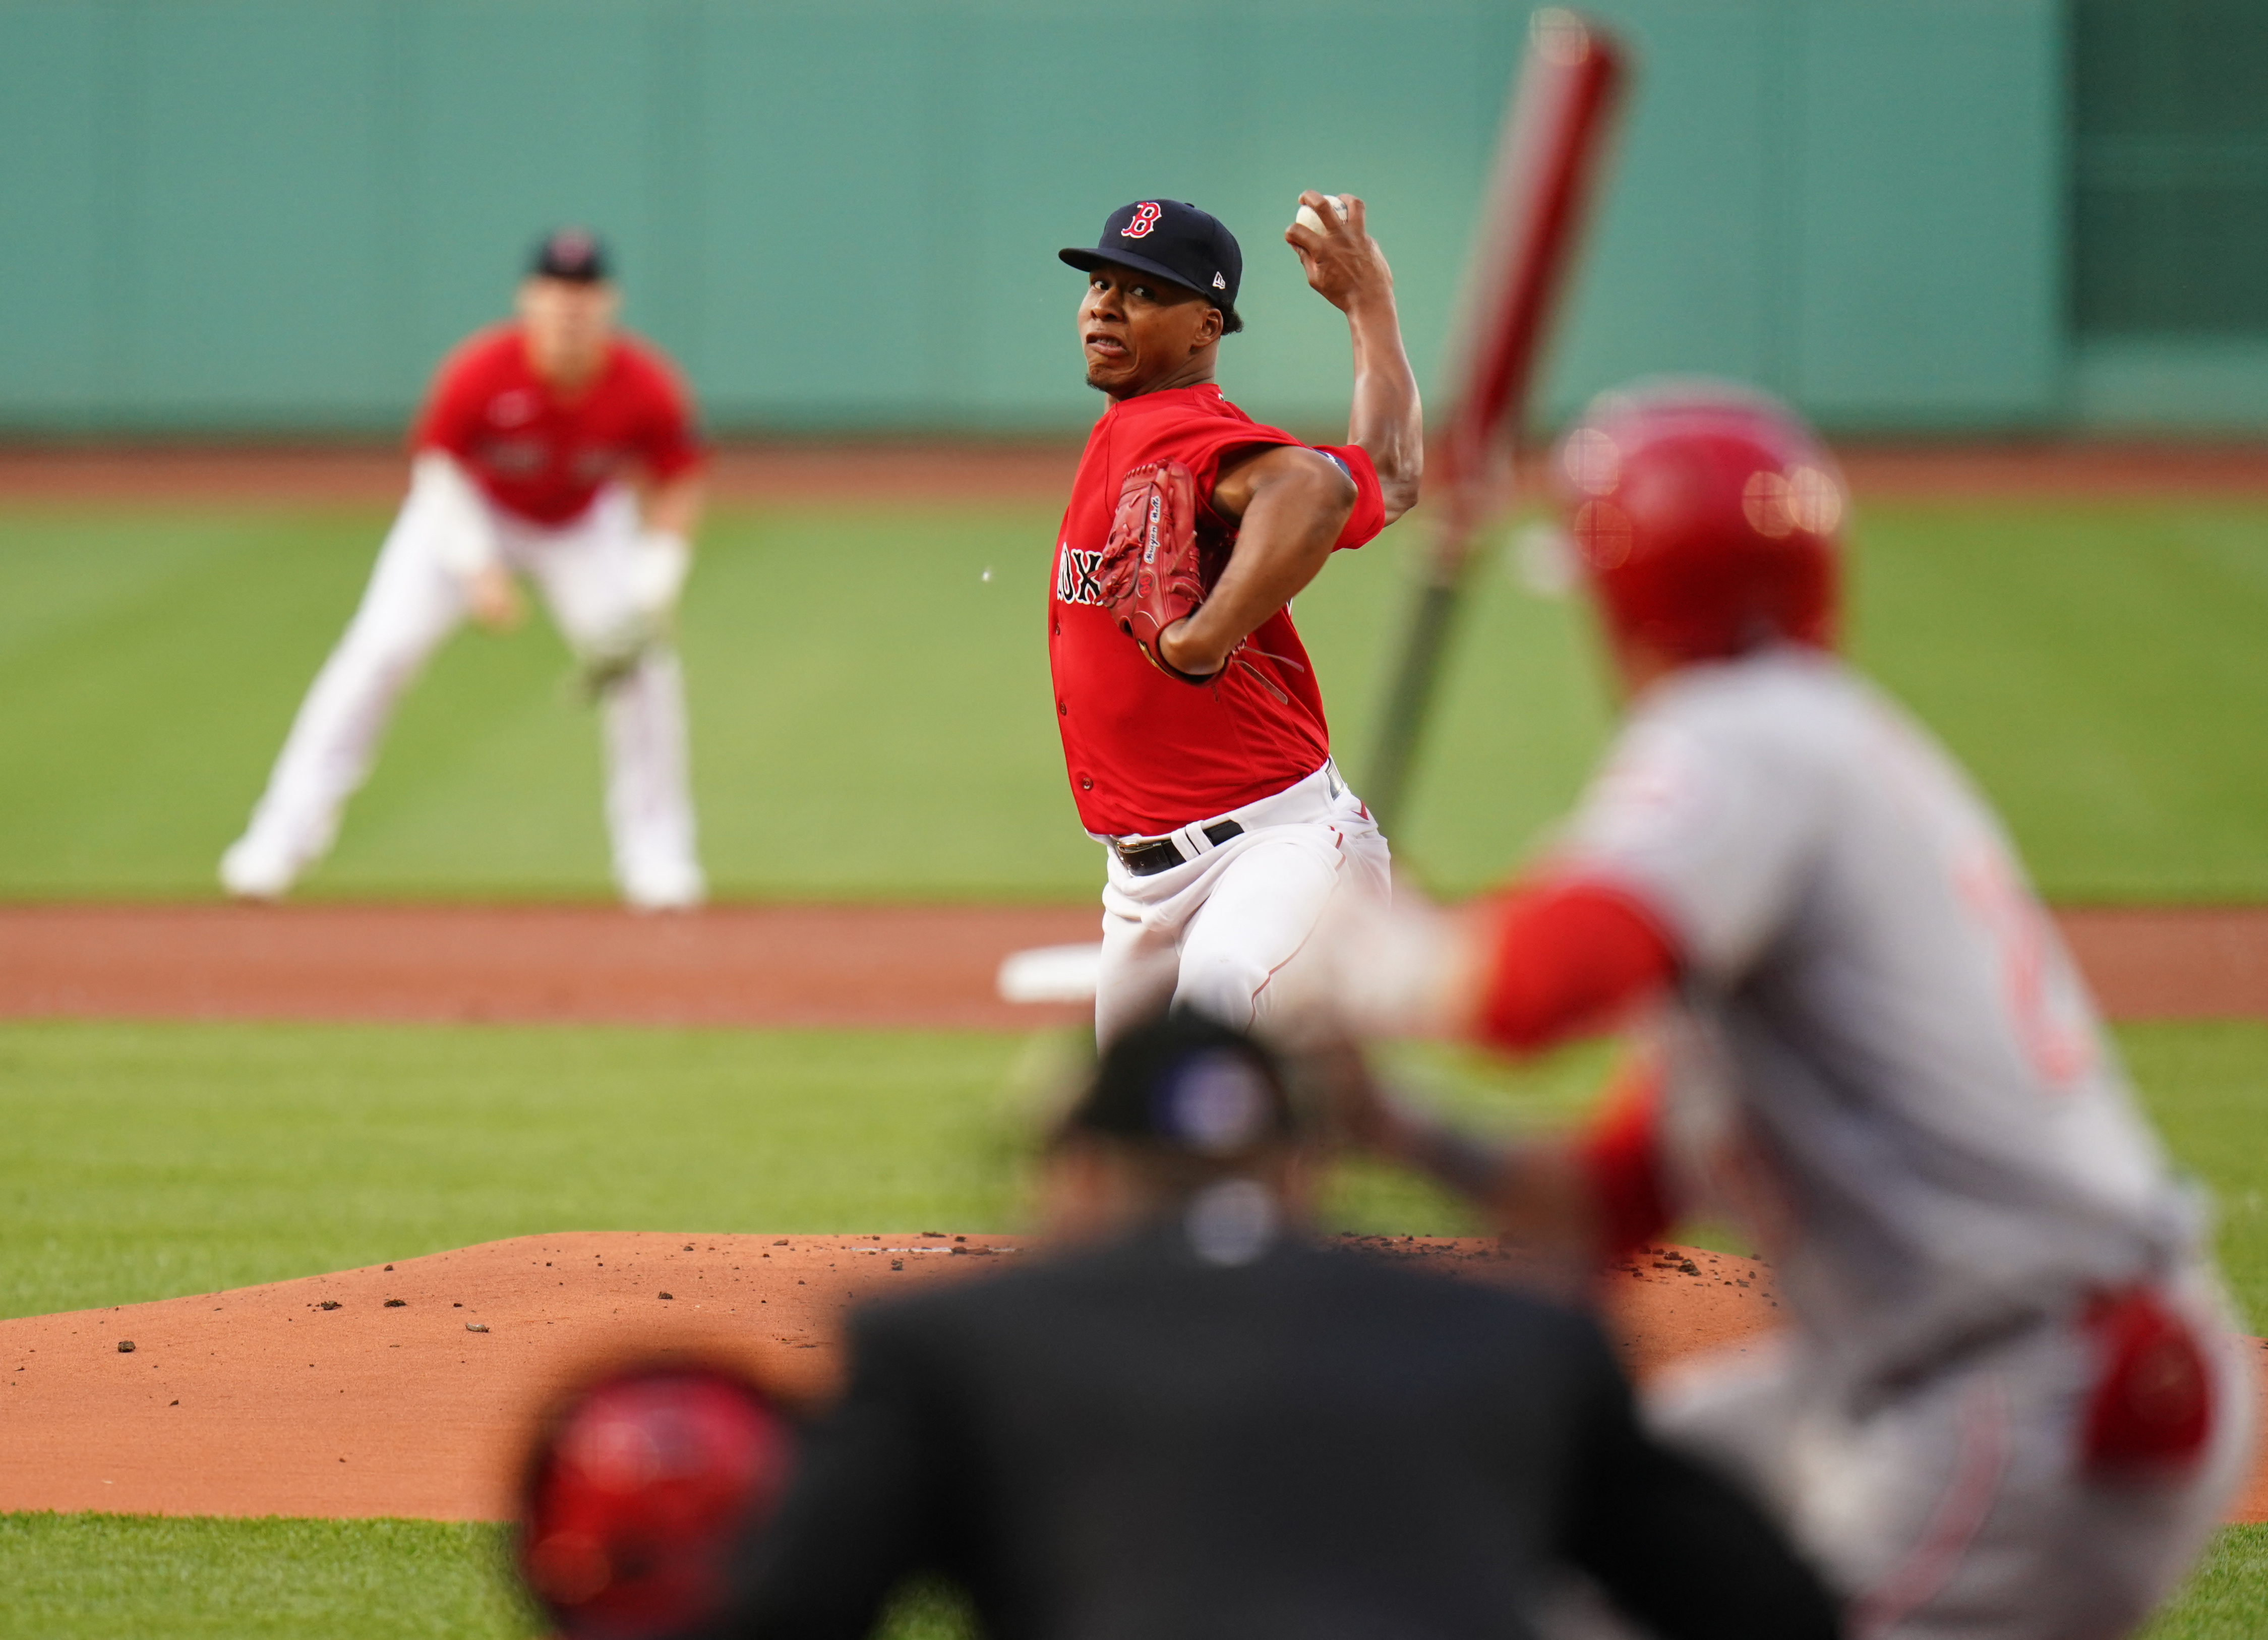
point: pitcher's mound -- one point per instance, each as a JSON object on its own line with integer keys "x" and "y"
{"x": 409, "y": 1389}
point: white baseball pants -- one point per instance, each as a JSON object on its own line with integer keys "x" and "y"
{"x": 1960, "y": 1508}
{"x": 414, "y": 601}
{"x": 1210, "y": 935}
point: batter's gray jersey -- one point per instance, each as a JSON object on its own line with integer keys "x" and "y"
{"x": 1881, "y": 1060}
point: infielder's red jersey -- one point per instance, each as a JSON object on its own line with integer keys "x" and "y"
{"x": 1147, "y": 753}
{"x": 543, "y": 456}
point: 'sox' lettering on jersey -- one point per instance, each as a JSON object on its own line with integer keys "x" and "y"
{"x": 1146, "y": 217}
{"x": 1076, "y": 573}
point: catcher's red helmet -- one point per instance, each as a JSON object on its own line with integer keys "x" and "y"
{"x": 1707, "y": 518}
{"x": 639, "y": 1491}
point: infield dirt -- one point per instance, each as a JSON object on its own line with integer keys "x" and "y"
{"x": 263, "y": 1400}
{"x": 844, "y": 966}
{"x": 412, "y": 1389}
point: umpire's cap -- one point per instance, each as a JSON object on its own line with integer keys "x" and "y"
{"x": 1174, "y": 240}
{"x": 1187, "y": 1084}
{"x": 576, "y": 254}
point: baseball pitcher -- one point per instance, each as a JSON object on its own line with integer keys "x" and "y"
{"x": 1192, "y": 724}
{"x": 557, "y": 448}
{"x": 2009, "y": 1403}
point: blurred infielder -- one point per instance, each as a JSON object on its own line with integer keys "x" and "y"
{"x": 1192, "y": 725}
{"x": 554, "y": 447}
{"x": 2008, "y": 1404}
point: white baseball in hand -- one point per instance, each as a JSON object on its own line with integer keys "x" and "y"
{"x": 1309, "y": 220}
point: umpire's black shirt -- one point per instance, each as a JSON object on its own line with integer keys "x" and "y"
{"x": 1133, "y": 1444}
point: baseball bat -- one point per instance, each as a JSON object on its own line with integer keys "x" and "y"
{"x": 1547, "y": 163}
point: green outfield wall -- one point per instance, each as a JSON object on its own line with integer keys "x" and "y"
{"x": 273, "y": 216}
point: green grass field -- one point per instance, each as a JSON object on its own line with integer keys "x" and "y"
{"x": 141, "y": 1161}
{"x": 870, "y": 714}
{"x": 870, "y": 721}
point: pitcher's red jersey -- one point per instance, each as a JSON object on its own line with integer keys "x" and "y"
{"x": 1146, "y": 752}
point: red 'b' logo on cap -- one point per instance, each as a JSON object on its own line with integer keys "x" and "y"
{"x": 1146, "y": 217}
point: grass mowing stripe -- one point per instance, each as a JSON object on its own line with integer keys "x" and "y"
{"x": 871, "y": 712}
{"x": 142, "y": 1160}
{"x": 2206, "y": 1086}
{"x": 98, "y": 1577}
{"x": 2227, "y": 1597}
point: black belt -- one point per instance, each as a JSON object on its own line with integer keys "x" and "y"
{"x": 1162, "y": 853}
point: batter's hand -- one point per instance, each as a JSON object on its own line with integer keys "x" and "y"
{"x": 1342, "y": 262}
{"x": 1378, "y": 966}
{"x": 493, "y": 598}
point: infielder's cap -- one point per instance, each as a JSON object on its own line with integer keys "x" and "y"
{"x": 1186, "y": 1084}
{"x": 575, "y": 255}
{"x": 1175, "y": 240}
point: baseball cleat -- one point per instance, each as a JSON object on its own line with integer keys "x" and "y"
{"x": 682, "y": 889}
{"x": 252, "y": 873}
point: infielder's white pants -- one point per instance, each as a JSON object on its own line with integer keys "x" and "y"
{"x": 1959, "y": 1509}
{"x": 1210, "y": 933}
{"x": 413, "y": 602}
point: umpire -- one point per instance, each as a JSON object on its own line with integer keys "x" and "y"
{"x": 1191, "y": 1420}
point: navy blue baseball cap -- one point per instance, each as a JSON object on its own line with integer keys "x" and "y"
{"x": 1177, "y": 242}
{"x": 575, "y": 255}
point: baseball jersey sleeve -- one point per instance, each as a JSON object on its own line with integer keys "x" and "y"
{"x": 1211, "y": 446}
{"x": 450, "y": 416}
{"x": 669, "y": 443}
{"x": 1369, "y": 515}
{"x": 1703, "y": 824}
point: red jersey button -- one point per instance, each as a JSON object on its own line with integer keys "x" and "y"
{"x": 1086, "y": 783}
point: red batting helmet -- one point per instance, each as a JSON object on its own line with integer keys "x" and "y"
{"x": 1707, "y": 518}
{"x": 641, "y": 1487}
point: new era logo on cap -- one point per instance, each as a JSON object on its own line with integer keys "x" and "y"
{"x": 1174, "y": 240}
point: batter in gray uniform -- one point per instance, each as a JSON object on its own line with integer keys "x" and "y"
{"x": 2010, "y": 1404}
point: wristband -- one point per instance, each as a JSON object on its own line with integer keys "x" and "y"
{"x": 1195, "y": 680}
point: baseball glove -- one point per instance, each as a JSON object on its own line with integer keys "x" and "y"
{"x": 647, "y": 623}
{"x": 1150, "y": 574}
